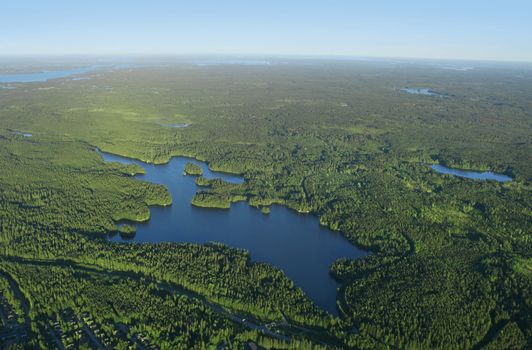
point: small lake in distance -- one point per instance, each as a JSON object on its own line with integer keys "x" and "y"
{"x": 42, "y": 76}
{"x": 475, "y": 175}
{"x": 423, "y": 91}
{"x": 293, "y": 242}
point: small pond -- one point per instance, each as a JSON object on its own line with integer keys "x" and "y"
{"x": 21, "y": 133}
{"x": 176, "y": 125}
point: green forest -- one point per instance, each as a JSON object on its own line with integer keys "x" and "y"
{"x": 193, "y": 169}
{"x": 450, "y": 263}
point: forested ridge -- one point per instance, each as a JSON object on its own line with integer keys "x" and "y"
{"x": 451, "y": 258}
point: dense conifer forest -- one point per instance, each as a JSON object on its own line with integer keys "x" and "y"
{"x": 451, "y": 258}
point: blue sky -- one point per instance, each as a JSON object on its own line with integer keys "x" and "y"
{"x": 469, "y": 29}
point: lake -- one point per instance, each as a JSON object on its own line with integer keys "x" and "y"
{"x": 488, "y": 175}
{"x": 293, "y": 242}
{"x": 42, "y": 76}
{"x": 423, "y": 91}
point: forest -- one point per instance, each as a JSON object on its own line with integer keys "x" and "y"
{"x": 451, "y": 258}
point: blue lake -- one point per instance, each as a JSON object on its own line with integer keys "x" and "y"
{"x": 293, "y": 242}
{"x": 488, "y": 175}
{"x": 42, "y": 76}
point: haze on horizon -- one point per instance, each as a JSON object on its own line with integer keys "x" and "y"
{"x": 473, "y": 30}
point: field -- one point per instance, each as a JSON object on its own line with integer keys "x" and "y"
{"x": 451, "y": 258}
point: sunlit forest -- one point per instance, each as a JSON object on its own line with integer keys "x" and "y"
{"x": 450, "y": 258}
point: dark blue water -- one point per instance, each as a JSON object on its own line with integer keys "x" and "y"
{"x": 488, "y": 175}
{"x": 293, "y": 242}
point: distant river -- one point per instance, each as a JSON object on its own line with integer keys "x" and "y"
{"x": 293, "y": 242}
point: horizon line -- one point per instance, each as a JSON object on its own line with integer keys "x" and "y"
{"x": 262, "y": 55}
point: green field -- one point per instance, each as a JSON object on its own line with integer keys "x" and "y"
{"x": 451, "y": 258}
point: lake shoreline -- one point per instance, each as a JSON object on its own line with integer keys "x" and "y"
{"x": 274, "y": 239}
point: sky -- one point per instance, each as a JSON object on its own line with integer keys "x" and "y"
{"x": 447, "y": 29}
